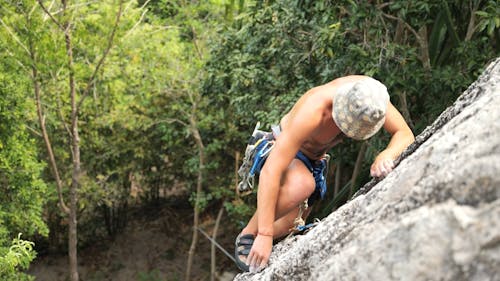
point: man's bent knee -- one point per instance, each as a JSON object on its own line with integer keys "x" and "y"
{"x": 298, "y": 185}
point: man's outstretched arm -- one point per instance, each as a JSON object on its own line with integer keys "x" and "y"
{"x": 284, "y": 151}
{"x": 402, "y": 137}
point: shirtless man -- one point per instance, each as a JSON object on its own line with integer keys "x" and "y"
{"x": 359, "y": 106}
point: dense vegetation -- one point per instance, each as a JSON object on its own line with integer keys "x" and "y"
{"x": 111, "y": 104}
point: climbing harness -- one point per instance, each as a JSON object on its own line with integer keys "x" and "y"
{"x": 318, "y": 171}
{"x": 258, "y": 149}
{"x": 299, "y": 225}
{"x": 303, "y": 229}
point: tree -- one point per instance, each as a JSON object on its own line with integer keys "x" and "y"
{"x": 65, "y": 26}
{"x": 181, "y": 93}
{"x": 81, "y": 77}
{"x": 22, "y": 191}
{"x": 150, "y": 76}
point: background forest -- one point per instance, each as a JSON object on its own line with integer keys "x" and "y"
{"x": 111, "y": 107}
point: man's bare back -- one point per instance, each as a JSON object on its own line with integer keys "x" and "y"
{"x": 327, "y": 134}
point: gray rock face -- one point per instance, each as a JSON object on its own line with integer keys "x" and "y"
{"x": 435, "y": 217}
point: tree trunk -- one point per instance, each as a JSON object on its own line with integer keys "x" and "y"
{"x": 338, "y": 174}
{"x": 357, "y": 167}
{"x": 213, "y": 268}
{"x": 75, "y": 149}
{"x": 404, "y": 109}
{"x": 424, "y": 48}
{"x": 73, "y": 235}
{"x": 199, "y": 143}
{"x": 236, "y": 166}
{"x": 471, "y": 27}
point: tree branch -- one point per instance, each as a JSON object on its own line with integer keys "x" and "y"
{"x": 471, "y": 27}
{"x": 357, "y": 168}
{"x": 338, "y": 173}
{"x": 61, "y": 116}
{"x": 140, "y": 19}
{"x": 45, "y": 135}
{"x": 195, "y": 43}
{"x": 405, "y": 24}
{"x": 422, "y": 40}
{"x": 170, "y": 121}
{"x": 404, "y": 109}
{"x": 193, "y": 127}
{"x": 14, "y": 36}
{"x": 214, "y": 238}
{"x": 41, "y": 120}
{"x": 17, "y": 61}
{"x": 74, "y": 6}
{"x": 37, "y": 133}
{"x": 101, "y": 61}
{"x": 59, "y": 25}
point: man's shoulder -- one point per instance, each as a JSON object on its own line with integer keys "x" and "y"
{"x": 315, "y": 98}
{"x": 336, "y": 83}
{"x": 346, "y": 79}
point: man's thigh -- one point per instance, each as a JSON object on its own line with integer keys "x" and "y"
{"x": 297, "y": 185}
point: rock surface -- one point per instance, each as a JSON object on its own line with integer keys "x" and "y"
{"x": 435, "y": 217}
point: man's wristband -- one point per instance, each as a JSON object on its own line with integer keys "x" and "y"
{"x": 264, "y": 234}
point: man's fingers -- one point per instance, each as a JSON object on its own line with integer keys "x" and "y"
{"x": 381, "y": 167}
{"x": 389, "y": 165}
{"x": 252, "y": 258}
{"x": 374, "y": 171}
{"x": 263, "y": 264}
{"x": 259, "y": 254}
{"x": 255, "y": 264}
{"x": 260, "y": 265}
{"x": 383, "y": 171}
{"x": 379, "y": 170}
{"x": 249, "y": 258}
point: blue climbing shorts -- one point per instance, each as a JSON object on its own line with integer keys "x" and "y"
{"x": 316, "y": 167}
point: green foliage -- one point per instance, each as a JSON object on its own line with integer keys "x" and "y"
{"x": 16, "y": 257}
{"x": 239, "y": 210}
{"x": 490, "y": 18}
{"x": 423, "y": 51}
{"x": 22, "y": 192}
{"x": 133, "y": 123}
{"x": 149, "y": 276}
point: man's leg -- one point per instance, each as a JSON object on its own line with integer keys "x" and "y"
{"x": 297, "y": 185}
{"x": 282, "y": 225}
